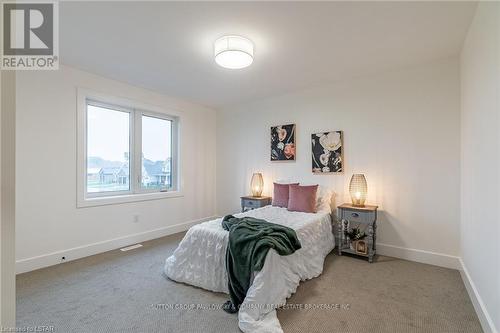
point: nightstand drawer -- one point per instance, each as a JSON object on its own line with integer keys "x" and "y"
{"x": 358, "y": 216}
{"x": 251, "y": 203}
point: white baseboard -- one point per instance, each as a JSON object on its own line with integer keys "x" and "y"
{"x": 481, "y": 311}
{"x": 54, "y": 258}
{"x": 425, "y": 257}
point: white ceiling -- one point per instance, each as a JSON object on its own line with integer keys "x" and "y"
{"x": 168, "y": 47}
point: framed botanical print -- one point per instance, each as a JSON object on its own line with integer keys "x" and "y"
{"x": 283, "y": 143}
{"x": 327, "y": 152}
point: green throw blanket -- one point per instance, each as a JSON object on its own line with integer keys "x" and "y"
{"x": 249, "y": 241}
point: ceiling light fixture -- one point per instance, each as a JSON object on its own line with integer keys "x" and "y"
{"x": 233, "y": 52}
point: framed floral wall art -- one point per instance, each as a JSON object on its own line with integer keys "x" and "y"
{"x": 283, "y": 143}
{"x": 327, "y": 154}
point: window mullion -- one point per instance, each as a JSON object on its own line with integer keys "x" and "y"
{"x": 132, "y": 149}
{"x": 137, "y": 150}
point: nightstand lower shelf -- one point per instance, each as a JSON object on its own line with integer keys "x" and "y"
{"x": 353, "y": 252}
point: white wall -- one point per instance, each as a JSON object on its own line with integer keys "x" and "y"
{"x": 48, "y": 223}
{"x": 480, "y": 217}
{"x": 402, "y": 129}
{"x": 7, "y": 204}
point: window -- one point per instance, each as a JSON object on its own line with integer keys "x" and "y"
{"x": 126, "y": 152}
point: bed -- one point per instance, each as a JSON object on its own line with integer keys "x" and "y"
{"x": 199, "y": 260}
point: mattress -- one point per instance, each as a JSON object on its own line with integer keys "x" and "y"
{"x": 199, "y": 260}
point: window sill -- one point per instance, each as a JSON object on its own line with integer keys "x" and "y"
{"x": 121, "y": 199}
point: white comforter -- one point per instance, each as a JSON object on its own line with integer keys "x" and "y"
{"x": 200, "y": 261}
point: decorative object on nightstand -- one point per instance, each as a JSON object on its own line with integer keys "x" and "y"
{"x": 357, "y": 232}
{"x": 257, "y": 184}
{"x": 358, "y": 190}
{"x": 249, "y": 202}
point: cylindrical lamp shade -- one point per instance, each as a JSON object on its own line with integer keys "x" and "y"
{"x": 233, "y": 52}
{"x": 358, "y": 190}
{"x": 257, "y": 184}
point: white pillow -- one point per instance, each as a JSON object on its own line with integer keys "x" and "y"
{"x": 324, "y": 199}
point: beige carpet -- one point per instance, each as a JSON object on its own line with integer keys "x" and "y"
{"x": 126, "y": 292}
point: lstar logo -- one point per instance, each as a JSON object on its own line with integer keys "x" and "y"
{"x": 29, "y": 32}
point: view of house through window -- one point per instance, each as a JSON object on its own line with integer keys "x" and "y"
{"x": 156, "y": 153}
{"x": 108, "y": 150}
{"x": 112, "y": 156}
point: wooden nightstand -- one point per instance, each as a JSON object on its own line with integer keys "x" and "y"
{"x": 249, "y": 202}
{"x": 365, "y": 218}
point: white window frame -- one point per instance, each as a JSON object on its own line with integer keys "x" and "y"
{"x": 136, "y": 191}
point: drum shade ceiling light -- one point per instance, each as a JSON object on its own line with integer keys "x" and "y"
{"x": 233, "y": 52}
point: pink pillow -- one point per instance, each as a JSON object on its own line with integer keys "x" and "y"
{"x": 302, "y": 198}
{"x": 280, "y": 197}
